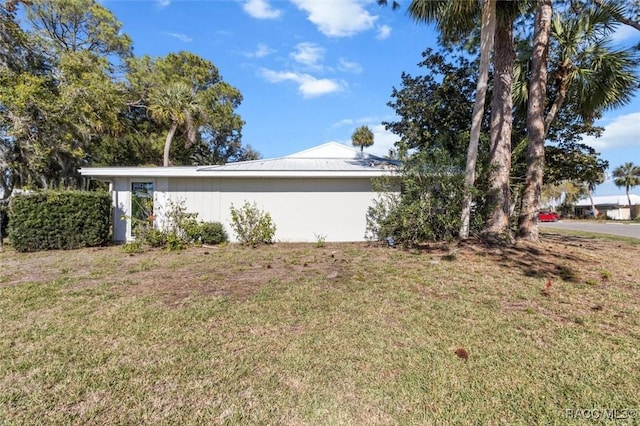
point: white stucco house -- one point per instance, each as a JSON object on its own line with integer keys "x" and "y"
{"x": 613, "y": 206}
{"x": 322, "y": 191}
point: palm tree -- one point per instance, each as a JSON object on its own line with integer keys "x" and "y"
{"x": 455, "y": 20}
{"x": 178, "y": 104}
{"x": 587, "y": 70}
{"x": 591, "y": 184}
{"x": 487, "y": 34}
{"x": 535, "y": 122}
{"x": 499, "y": 194}
{"x": 362, "y": 137}
{"x": 458, "y": 19}
{"x": 627, "y": 176}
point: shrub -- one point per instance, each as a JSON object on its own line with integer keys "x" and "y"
{"x": 132, "y": 247}
{"x": 154, "y": 237}
{"x": 320, "y": 240}
{"x": 251, "y": 225}
{"x": 50, "y": 220}
{"x": 175, "y": 242}
{"x": 423, "y": 203}
{"x": 182, "y": 229}
{"x": 182, "y": 226}
{"x": 212, "y": 233}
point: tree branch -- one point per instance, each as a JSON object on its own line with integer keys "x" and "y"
{"x": 619, "y": 17}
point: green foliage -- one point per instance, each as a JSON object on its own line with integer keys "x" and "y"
{"x": 435, "y": 108}
{"x": 626, "y": 176}
{"x": 181, "y": 224}
{"x": 320, "y": 240}
{"x": 180, "y": 230}
{"x": 362, "y": 137}
{"x": 251, "y": 225}
{"x": 51, "y": 220}
{"x": 175, "y": 242}
{"x": 427, "y": 207}
{"x": 575, "y": 162}
{"x": 434, "y": 111}
{"x": 212, "y": 233}
{"x": 66, "y": 102}
{"x": 132, "y": 247}
{"x": 75, "y": 25}
{"x": 154, "y": 237}
{"x": 188, "y": 96}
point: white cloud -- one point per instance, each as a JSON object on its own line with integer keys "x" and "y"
{"x": 344, "y": 122}
{"x": 355, "y": 122}
{"x": 337, "y": 18}
{"x": 261, "y": 51}
{"x": 182, "y": 37}
{"x": 308, "y": 54}
{"x": 348, "y": 66}
{"x": 163, "y": 3}
{"x": 384, "y": 31}
{"x": 261, "y": 9}
{"x": 622, "y": 132}
{"x": 308, "y": 85}
{"x": 383, "y": 140}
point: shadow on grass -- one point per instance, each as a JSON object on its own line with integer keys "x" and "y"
{"x": 557, "y": 256}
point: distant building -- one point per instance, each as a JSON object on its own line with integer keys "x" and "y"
{"x": 612, "y": 206}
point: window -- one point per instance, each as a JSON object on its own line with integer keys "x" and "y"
{"x": 141, "y": 204}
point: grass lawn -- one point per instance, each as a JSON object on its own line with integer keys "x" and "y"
{"x": 343, "y": 334}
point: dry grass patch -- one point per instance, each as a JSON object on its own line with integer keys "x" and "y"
{"x": 343, "y": 334}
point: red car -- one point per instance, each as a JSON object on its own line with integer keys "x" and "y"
{"x": 548, "y": 217}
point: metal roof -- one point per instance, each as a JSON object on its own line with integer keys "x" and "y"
{"x": 327, "y": 160}
{"x": 610, "y": 200}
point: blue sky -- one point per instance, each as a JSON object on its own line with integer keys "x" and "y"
{"x": 311, "y": 71}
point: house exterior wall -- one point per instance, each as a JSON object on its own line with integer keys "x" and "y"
{"x": 611, "y": 212}
{"x": 617, "y": 213}
{"x": 301, "y": 208}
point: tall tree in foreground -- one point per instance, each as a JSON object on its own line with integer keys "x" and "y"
{"x": 627, "y": 176}
{"x": 456, "y": 20}
{"x": 499, "y": 195}
{"x": 536, "y": 122}
{"x": 588, "y": 73}
{"x": 487, "y": 34}
{"x": 362, "y": 137}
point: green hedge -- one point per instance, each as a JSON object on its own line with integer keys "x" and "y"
{"x": 51, "y": 220}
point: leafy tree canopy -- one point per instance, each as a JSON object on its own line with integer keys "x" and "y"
{"x": 73, "y": 94}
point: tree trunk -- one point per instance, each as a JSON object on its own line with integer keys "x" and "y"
{"x": 497, "y": 226}
{"x": 561, "y": 97}
{"x": 593, "y": 206}
{"x": 536, "y": 128}
{"x": 486, "y": 46}
{"x": 167, "y": 143}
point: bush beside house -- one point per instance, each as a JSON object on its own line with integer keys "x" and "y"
{"x": 51, "y": 220}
